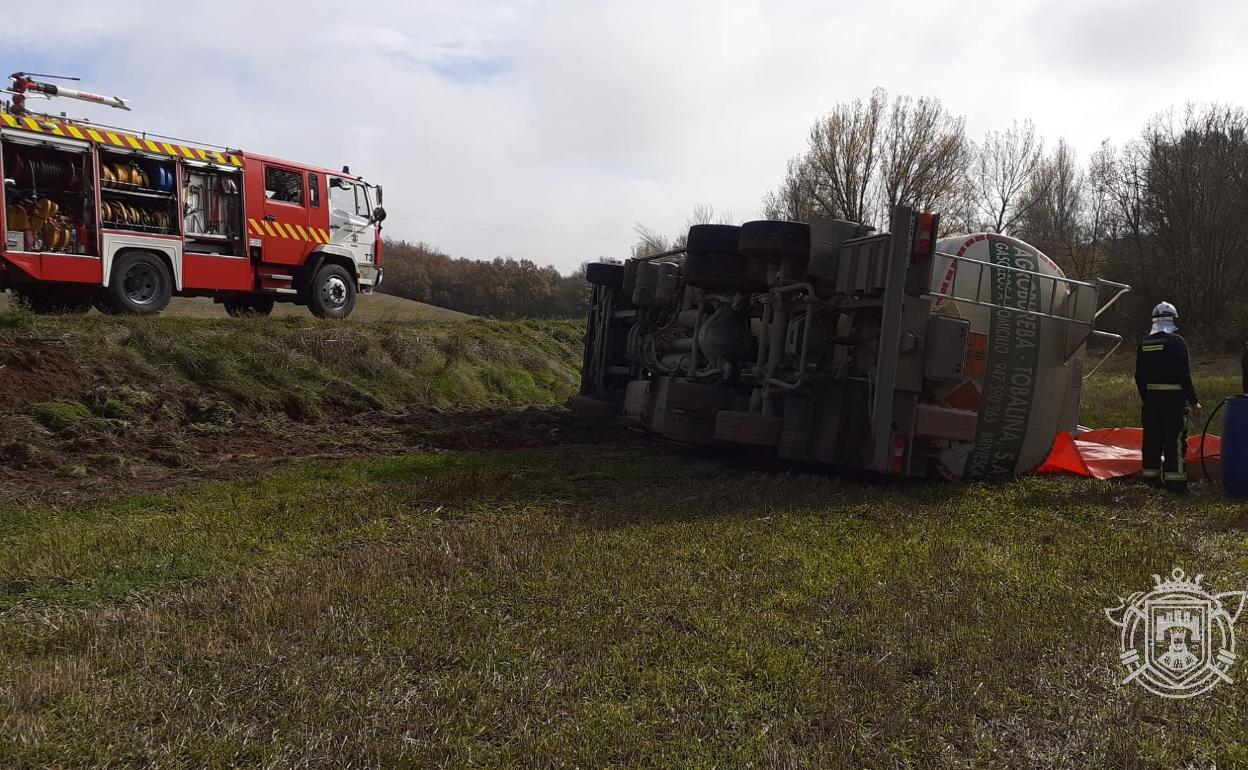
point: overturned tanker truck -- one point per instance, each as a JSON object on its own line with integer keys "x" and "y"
{"x": 892, "y": 353}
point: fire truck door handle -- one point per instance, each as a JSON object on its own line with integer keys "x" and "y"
{"x": 270, "y": 218}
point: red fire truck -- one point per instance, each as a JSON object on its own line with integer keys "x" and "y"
{"x": 124, "y": 220}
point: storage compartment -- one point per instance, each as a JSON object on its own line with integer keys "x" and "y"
{"x": 212, "y": 210}
{"x": 49, "y": 198}
{"x": 138, "y": 193}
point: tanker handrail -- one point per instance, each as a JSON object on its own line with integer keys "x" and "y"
{"x": 1117, "y": 338}
{"x": 1072, "y": 284}
{"x": 979, "y": 301}
{"x": 1063, "y": 279}
{"x": 1122, "y": 289}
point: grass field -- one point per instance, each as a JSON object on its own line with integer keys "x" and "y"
{"x": 598, "y": 609}
{"x": 579, "y": 606}
{"x": 1110, "y": 398}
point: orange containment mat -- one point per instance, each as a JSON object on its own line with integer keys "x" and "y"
{"x": 1112, "y": 452}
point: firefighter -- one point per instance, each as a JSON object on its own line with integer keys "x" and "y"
{"x": 1163, "y": 375}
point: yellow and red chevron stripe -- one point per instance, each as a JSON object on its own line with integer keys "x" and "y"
{"x": 289, "y": 232}
{"x": 117, "y": 139}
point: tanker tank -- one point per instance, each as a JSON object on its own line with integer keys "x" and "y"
{"x": 893, "y": 353}
{"x": 1024, "y": 371}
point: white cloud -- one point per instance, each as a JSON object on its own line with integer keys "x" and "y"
{"x": 545, "y": 129}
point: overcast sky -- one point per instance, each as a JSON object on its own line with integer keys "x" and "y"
{"x": 547, "y": 129}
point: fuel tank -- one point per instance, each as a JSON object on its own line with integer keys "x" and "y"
{"x": 1024, "y": 370}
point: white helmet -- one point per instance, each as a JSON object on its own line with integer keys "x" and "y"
{"x": 1166, "y": 310}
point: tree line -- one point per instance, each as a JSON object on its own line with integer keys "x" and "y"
{"x": 1166, "y": 212}
{"x": 497, "y": 288}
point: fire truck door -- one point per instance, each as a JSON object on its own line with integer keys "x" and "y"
{"x": 287, "y": 240}
{"x": 350, "y": 219}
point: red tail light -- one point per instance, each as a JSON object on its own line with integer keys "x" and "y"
{"x": 897, "y": 463}
{"x": 925, "y": 235}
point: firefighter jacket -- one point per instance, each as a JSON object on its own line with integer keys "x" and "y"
{"x": 1162, "y": 365}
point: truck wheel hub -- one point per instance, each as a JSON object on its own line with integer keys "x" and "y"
{"x": 141, "y": 284}
{"x": 334, "y": 291}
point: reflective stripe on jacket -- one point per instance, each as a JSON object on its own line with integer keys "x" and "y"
{"x": 1162, "y": 364}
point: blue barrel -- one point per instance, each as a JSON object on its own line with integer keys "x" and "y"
{"x": 1235, "y": 448}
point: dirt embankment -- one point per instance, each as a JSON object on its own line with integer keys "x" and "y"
{"x": 91, "y": 406}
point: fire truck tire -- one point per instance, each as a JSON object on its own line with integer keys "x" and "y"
{"x": 252, "y": 307}
{"x": 141, "y": 284}
{"x": 48, "y": 300}
{"x": 604, "y": 274}
{"x": 332, "y": 293}
{"x": 100, "y": 303}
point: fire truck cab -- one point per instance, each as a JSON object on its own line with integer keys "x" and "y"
{"x": 121, "y": 220}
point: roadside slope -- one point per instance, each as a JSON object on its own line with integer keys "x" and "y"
{"x": 97, "y": 395}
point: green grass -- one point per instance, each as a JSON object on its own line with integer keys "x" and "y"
{"x": 579, "y": 607}
{"x": 599, "y": 608}
{"x": 1110, "y": 399}
{"x": 304, "y": 366}
{"x": 108, "y": 397}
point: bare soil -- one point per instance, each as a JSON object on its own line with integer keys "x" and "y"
{"x": 130, "y": 467}
{"x": 33, "y": 371}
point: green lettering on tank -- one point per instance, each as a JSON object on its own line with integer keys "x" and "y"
{"x": 1011, "y": 366}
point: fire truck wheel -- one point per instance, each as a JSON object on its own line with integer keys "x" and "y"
{"x": 47, "y": 300}
{"x": 140, "y": 284}
{"x": 333, "y": 292}
{"x": 253, "y": 307}
{"x": 604, "y": 274}
{"x": 100, "y": 303}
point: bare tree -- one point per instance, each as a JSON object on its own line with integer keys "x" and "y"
{"x": 866, "y": 156}
{"x": 924, "y": 155}
{"x": 1174, "y": 224}
{"x": 1056, "y": 221}
{"x": 1005, "y": 168}
{"x": 792, "y": 200}
{"x": 1193, "y": 207}
{"x": 648, "y": 242}
{"x": 704, "y": 214}
{"x": 843, "y": 157}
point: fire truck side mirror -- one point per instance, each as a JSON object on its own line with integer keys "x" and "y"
{"x": 379, "y": 214}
